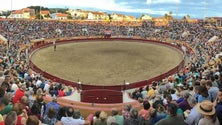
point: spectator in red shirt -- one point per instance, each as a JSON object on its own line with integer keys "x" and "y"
{"x": 19, "y": 94}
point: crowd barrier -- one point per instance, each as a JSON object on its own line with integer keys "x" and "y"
{"x": 41, "y": 44}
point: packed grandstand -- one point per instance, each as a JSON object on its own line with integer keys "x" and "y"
{"x": 192, "y": 96}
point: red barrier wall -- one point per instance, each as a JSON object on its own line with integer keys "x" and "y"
{"x": 41, "y": 44}
{"x": 101, "y": 96}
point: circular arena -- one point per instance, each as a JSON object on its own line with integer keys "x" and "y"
{"x": 107, "y": 63}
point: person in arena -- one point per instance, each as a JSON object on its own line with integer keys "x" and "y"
{"x": 54, "y": 44}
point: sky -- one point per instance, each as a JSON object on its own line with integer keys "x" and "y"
{"x": 180, "y": 8}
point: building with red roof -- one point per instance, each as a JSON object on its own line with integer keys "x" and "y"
{"x": 45, "y": 14}
{"x": 59, "y": 16}
{"x": 25, "y": 13}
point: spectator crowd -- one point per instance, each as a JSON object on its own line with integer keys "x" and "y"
{"x": 192, "y": 96}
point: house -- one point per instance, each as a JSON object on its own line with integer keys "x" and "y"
{"x": 85, "y": 14}
{"x": 79, "y": 14}
{"x": 45, "y": 14}
{"x": 118, "y": 17}
{"x": 59, "y": 16}
{"x": 216, "y": 20}
{"x": 25, "y": 13}
{"x": 16, "y": 14}
{"x": 160, "y": 21}
{"x": 97, "y": 15}
{"x": 146, "y": 17}
{"x": 130, "y": 18}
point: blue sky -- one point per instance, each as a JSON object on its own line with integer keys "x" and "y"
{"x": 195, "y": 8}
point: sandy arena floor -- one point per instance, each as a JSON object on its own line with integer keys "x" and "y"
{"x": 107, "y": 63}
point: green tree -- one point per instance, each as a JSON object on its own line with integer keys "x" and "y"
{"x": 37, "y": 16}
{"x": 188, "y": 16}
{"x": 110, "y": 17}
{"x": 47, "y": 16}
{"x": 166, "y": 16}
{"x": 37, "y": 8}
{"x": 142, "y": 15}
{"x": 170, "y": 16}
{"x": 82, "y": 17}
{"x": 184, "y": 18}
{"x": 69, "y": 17}
{"x": 170, "y": 13}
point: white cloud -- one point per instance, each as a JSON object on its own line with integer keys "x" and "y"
{"x": 148, "y": 1}
{"x": 110, "y": 5}
{"x": 162, "y": 1}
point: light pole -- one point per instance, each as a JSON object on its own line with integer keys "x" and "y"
{"x": 205, "y": 5}
{"x": 149, "y": 2}
{"x": 11, "y": 7}
{"x": 177, "y": 9}
{"x": 40, "y": 12}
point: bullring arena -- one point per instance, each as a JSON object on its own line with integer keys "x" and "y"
{"x": 107, "y": 62}
{"x": 109, "y": 66}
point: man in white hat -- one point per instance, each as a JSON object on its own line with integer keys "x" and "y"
{"x": 206, "y": 108}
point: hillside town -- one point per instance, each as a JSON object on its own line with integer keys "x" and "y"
{"x": 79, "y": 14}
{"x": 42, "y": 13}
{"x": 76, "y": 14}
